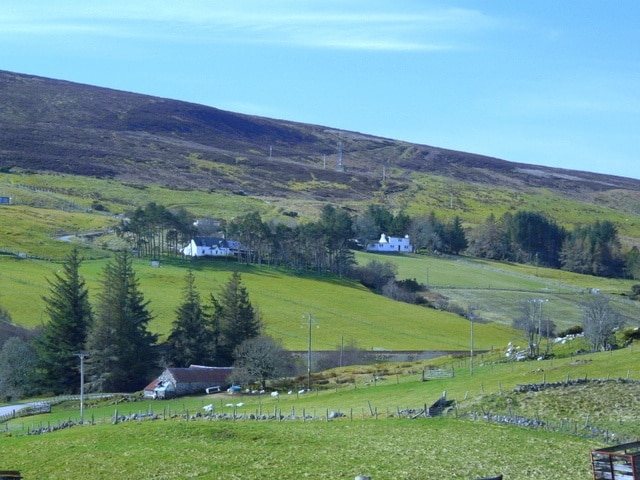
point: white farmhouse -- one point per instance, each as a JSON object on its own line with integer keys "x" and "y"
{"x": 391, "y": 244}
{"x": 207, "y": 246}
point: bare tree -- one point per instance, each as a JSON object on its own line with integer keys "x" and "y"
{"x": 260, "y": 359}
{"x": 18, "y": 364}
{"x": 600, "y": 321}
{"x": 535, "y": 326}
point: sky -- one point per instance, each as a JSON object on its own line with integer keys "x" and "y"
{"x": 542, "y": 82}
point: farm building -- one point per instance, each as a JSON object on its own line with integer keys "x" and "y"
{"x": 174, "y": 382}
{"x": 207, "y": 246}
{"x": 391, "y": 244}
{"x": 620, "y": 462}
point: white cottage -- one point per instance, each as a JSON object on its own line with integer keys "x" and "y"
{"x": 207, "y": 246}
{"x": 391, "y": 244}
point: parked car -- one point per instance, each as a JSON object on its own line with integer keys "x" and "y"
{"x": 214, "y": 389}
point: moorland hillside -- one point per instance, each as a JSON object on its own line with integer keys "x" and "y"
{"x": 57, "y": 126}
{"x": 67, "y": 147}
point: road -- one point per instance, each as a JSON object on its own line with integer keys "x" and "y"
{"x": 9, "y": 409}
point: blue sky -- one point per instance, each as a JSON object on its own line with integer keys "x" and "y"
{"x": 552, "y": 83}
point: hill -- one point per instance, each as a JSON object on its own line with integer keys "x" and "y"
{"x": 59, "y": 127}
{"x": 72, "y": 156}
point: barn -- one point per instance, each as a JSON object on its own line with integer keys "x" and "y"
{"x": 175, "y": 382}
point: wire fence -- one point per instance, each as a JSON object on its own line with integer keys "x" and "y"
{"x": 239, "y": 412}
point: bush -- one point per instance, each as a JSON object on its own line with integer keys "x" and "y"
{"x": 411, "y": 285}
{"x": 575, "y": 330}
{"x": 375, "y": 274}
{"x": 628, "y": 335}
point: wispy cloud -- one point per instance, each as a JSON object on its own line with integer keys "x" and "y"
{"x": 375, "y": 26}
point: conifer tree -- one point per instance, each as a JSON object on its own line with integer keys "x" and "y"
{"x": 64, "y": 336}
{"x": 239, "y": 319}
{"x": 455, "y": 237}
{"x": 191, "y": 340}
{"x": 122, "y": 355}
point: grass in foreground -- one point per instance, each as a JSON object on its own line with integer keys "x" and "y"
{"x": 382, "y": 449}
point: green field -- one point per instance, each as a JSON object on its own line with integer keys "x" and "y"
{"x": 343, "y": 310}
{"x": 369, "y": 440}
{"x": 496, "y": 290}
{"x": 340, "y": 309}
{"x": 400, "y": 449}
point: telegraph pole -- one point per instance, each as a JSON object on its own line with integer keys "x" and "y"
{"x": 471, "y": 315}
{"x": 82, "y": 356}
{"x": 310, "y": 323}
{"x": 471, "y": 358}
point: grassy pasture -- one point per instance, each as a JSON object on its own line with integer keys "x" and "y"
{"x": 399, "y": 449}
{"x": 32, "y": 231}
{"x": 496, "y": 290}
{"x": 339, "y": 308}
{"x": 382, "y": 447}
{"x": 37, "y": 189}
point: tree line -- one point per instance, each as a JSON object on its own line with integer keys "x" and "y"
{"x": 327, "y": 244}
{"x": 155, "y": 231}
{"x": 523, "y": 237}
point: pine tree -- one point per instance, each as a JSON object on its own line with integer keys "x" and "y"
{"x": 191, "y": 340}
{"x": 239, "y": 320}
{"x": 456, "y": 238}
{"x": 64, "y": 336}
{"x": 122, "y": 350}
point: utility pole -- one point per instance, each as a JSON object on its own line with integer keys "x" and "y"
{"x": 82, "y": 356}
{"x": 471, "y": 359}
{"x": 470, "y": 316}
{"x": 310, "y": 323}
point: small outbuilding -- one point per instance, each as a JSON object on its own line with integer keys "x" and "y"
{"x": 620, "y": 462}
{"x": 174, "y": 382}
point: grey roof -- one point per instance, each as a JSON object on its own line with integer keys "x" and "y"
{"x": 195, "y": 374}
{"x": 210, "y": 241}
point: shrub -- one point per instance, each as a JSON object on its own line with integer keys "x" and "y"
{"x": 575, "y": 330}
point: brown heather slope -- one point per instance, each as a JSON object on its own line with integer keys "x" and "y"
{"x": 57, "y": 126}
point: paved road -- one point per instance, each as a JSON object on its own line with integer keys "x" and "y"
{"x": 8, "y": 409}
